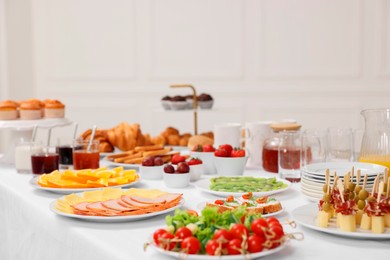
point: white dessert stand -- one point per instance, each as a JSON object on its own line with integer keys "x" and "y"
{"x": 22, "y": 129}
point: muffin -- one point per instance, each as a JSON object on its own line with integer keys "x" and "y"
{"x": 166, "y": 102}
{"x": 205, "y": 101}
{"x": 8, "y": 110}
{"x": 178, "y": 103}
{"x": 54, "y": 109}
{"x": 30, "y": 110}
{"x": 41, "y": 104}
{"x": 190, "y": 101}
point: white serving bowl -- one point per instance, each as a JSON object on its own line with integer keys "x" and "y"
{"x": 176, "y": 180}
{"x": 230, "y": 166}
{"x": 207, "y": 159}
{"x": 151, "y": 172}
{"x": 196, "y": 171}
{"x": 166, "y": 104}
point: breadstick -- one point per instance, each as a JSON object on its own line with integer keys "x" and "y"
{"x": 157, "y": 152}
{"x": 149, "y": 148}
{"x": 118, "y": 155}
{"x": 123, "y": 159}
{"x": 134, "y": 161}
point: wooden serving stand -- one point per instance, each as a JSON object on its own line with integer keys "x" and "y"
{"x": 195, "y": 105}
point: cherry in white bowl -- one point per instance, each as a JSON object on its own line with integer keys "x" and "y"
{"x": 176, "y": 178}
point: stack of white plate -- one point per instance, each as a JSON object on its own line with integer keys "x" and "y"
{"x": 313, "y": 176}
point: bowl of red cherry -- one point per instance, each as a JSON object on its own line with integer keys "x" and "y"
{"x": 152, "y": 168}
{"x": 177, "y": 177}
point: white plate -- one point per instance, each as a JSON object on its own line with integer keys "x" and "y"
{"x": 124, "y": 165}
{"x": 34, "y": 183}
{"x": 204, "y": 185}
{"x": 307, "y": 216}
{"x": 114, "y": 218}
{"x": 210, "y": 257}
{"x": 342, "y": 167}
{"x": 316, "y": 196}
{"x": 201, "y": 205}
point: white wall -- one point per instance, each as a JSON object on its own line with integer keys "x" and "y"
{"x": 319, "y": 61}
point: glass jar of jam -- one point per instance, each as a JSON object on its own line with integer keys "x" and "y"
{"x": 271, "y": 145}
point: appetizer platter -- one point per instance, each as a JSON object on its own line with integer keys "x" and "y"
{"x": 70, "y": 181}
{"x": 117, "y": 205}
{"x": 239, "y": 185}
{"x": 349, "y": 209}
{"x": 234, "y": 234}
{"x": 263, "y": 205}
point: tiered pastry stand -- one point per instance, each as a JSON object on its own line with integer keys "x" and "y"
{"x": 22, "y": 129}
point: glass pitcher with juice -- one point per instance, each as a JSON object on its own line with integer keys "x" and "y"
{"x": 376, "y": 138}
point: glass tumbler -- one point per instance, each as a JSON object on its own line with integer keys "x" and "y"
{"x": 289, "y": 156}
{"x": 86, "y": 154}
{"x": 44, "y": 160}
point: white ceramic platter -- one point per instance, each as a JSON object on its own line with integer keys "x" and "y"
{"x": 113, "y": 219}
{"x": 307, "y": 216}
{"x": 224, "y": 257}
{"x": 34, "y": 183}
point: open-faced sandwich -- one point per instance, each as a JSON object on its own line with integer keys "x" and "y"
{"x": 262, "y": 205}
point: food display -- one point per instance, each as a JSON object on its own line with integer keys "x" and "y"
{"x": 140, "y": 153}
{"x": 31, "y": 109}
{"x": 245, "y": 184}
{"x": 254, "y": 204}
{"x": 101, "y": 177}
{"x": 128, "y": 136}
{"x": 353, "y": 207}
{"x": 112, "y": 202}
{"x": 9, "y": 110}
{"x": 215, "y": 233}
{"x": 204, "y": 101}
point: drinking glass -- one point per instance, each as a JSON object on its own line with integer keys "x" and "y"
{"x": 86, "y": 154}
{"x": 44, "y": 160}
{"x": 23, "y": 150}
{"x": 340, "y": 145}
{"x": 289, "y": 156}
{"x": 314, "y": 146}
{"x": 65, "y": 151}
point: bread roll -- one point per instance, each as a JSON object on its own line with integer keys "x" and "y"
{"x": 199, "y": 140}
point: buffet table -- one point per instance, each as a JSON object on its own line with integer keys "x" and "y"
{"x": 29, "y": 230}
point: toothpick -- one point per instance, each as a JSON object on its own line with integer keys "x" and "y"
{"x": 388, "y": 187}
{"x": 365, "y": 182}
{"x": 352, "y": 173}
{"x": 327, "y": 180}
{"x": 341, "y": 189}
{"x": 380, "y": 191}
{"x": 346, "y": 180}
{"x": 375, "y": 186}
{"x": 357, "y": 177}
{"x": 335, "y": 178}
{"x": 386, "y": 175}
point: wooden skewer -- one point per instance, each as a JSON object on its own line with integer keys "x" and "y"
{"x": 357, "y": 177}
{"x": 335, "y": 178}
{"x": 388, "y": 187}
{"x": 386, "y": 173}
{"x": 352, "y": 173}
{"x": 380, "y": 191}
{"x": 341, "y": 189}
{"x": 346, "y": 180}
{"x": 365, "y": 182}
{"x": 327, "y": 180}
{"x": 375, "y": 186}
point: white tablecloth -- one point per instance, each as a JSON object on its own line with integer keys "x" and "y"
{"x": 29, "y": 230}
